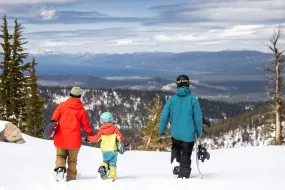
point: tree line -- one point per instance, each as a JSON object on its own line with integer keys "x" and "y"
{"x": 134, "y": 110}
{"x": 129, "y": 107}
{"x": 20, "y": 102}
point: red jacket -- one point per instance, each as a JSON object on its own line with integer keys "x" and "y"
{"x": 70, "y": 114}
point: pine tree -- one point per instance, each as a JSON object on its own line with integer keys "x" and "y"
{"x": 17, "y": 78}
{"x": 35, "y": 104}
{"x": 277, "y": 68}
{"x": 5, "y": 69}
{"x": 20, "y": 102}
{"x": 151, "y": 139}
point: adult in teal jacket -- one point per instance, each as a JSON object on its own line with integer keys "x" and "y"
{"x": 183, "y": 112}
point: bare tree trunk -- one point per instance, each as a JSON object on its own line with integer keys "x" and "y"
{"x": 278, "y": 101}
{"x": 278, "y": 129}
{"x": 149, "y": 139}
{"x": 148, "y": 142}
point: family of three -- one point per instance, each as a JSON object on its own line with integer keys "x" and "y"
{"x": 182, "y": 110}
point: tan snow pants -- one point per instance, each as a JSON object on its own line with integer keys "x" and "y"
{"x": 69, "y": 155}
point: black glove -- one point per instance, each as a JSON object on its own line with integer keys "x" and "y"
{"x": 206, "y": 122}
{"x": 85, "y": 139}
{"x": 126, "y": 145}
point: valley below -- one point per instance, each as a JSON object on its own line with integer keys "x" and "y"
{"x": 230, "y": 88}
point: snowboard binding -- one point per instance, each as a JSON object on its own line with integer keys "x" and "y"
{"x": 103, "y": 172}
{"x": 203, "y": 153}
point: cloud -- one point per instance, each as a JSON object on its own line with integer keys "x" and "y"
{"x": 50, "y": 44}
{"x": 48, "y": 14}
{"x": 123, "y": 42}
{"x": 133, "y": 41}
{"x": 153, "y": 38}
{"x": 51, "y": 16}
{"x": 179, "y": 37}
{"x": 222, "y": 11}
{"x": 198, "y": 25}
{"x": 9, "y": 2}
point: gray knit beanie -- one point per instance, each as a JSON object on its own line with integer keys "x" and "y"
{"x": 75, "y": 92}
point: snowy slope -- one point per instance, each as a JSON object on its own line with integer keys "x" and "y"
{"x": 234, "y": 138}
{"x": 30, "y": 167}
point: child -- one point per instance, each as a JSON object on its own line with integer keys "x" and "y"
{"x": 109, "y": 135}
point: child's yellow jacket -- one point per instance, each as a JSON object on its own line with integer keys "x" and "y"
{"x": 109, "y": 134}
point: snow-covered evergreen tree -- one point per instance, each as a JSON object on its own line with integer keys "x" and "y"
{"x": 34, "y": 103}
{"x": 20, "y": 102}
{"x": 16, "y": 77}
{"x": 5, "y": 68}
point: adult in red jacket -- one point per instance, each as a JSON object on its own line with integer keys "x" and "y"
{"x": 67, "y": 139}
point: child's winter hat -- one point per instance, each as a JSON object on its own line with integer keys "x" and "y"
{"x": 75, "y": 92}
{"x": 106, "y": 117}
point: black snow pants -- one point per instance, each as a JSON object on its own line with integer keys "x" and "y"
{"x": 182, "y": 151}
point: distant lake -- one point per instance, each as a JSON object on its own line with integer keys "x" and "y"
{"x": 103, "y": 71}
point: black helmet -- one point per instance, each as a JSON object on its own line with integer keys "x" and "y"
{"x": 182, "y": 80}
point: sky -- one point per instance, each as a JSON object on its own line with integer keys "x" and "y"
{"x": 127, "y": 26}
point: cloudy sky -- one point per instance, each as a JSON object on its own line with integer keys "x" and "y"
{"x": 120, "y": 26}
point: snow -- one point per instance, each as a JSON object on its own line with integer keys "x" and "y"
{"x": 3, "y": 125}
{"x": 169, "y": 87}
{"x": 234, "y": 138}
{"x": 58, "y": 99}
{"x": 30, "y": 166}
{"x": 139, "y": 87}
{"x": 126, "y": 78}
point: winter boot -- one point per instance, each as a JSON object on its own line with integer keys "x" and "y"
{"x": 103, "y": 170}
{"x": 113, "y": 173}
{"x": 176, "y": 170}
{"x": 175, "y": 167}
{"x": 184, "y": 173}
{"x": 60, "y": 172}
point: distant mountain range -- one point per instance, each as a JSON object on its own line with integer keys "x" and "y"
{"x": 226, "y": 75}
{"x": 154, "y": 63}
{"x": 226, "y": 88}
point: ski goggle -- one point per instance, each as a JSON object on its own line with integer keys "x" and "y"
{"x": 182, "y": 81}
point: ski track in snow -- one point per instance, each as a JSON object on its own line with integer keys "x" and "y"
{"x": 30, "y": 166}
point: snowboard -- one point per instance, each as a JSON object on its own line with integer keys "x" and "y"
{"x": 50, "y": 130}
{"x": 121, "y": 147}
{"x": 197, "y": 156}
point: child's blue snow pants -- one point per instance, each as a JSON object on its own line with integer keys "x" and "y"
{"x": 110, "y": 158}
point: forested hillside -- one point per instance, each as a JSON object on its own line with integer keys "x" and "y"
{"x": 250, "y": 128}
{"x": 129, "y": 107}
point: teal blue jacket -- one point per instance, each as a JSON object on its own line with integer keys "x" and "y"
{"x": 183, "y": 112}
